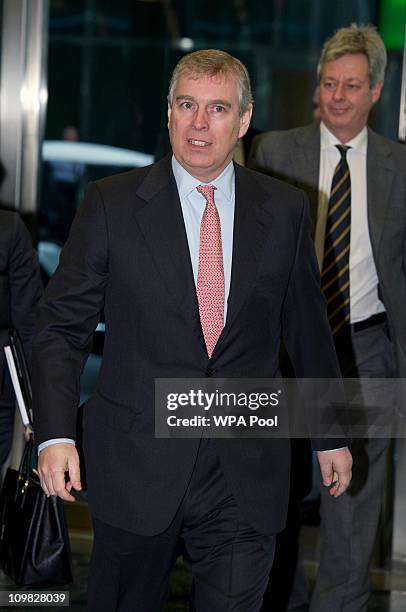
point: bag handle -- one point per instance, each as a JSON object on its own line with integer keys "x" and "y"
{"x": 26, "y": 459}
{"x": 24, "y": 471}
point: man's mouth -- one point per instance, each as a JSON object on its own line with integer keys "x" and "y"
{"x": 340, "y": 111}
{"x": 198, "y": 143}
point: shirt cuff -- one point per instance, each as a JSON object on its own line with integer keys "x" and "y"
{"x": 55, "y": 441}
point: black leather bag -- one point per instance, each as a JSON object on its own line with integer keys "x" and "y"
{"x": 34, "y": 541}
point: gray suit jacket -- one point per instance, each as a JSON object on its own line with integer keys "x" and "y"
{"x": 294, "y": 156}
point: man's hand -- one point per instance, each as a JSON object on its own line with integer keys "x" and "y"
{"x": 53, "y": 462}
{"x": 335, "y": 467}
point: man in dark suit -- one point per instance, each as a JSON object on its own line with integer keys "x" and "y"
{"x": 20, "y": 290}
{"x": 356, "y": 182}
{"x": 170, "y": 252}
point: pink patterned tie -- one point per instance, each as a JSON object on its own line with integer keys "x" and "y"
{"x": 210, "y": 277}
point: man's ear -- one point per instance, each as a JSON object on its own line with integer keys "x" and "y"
{"x": 376, "y": 91}
{"x": 245, "y": 120}
{"x": 169, "y": 114}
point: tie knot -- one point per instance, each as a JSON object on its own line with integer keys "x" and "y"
{"x": 207, "y": 192}
{"x": 343, "y": 150}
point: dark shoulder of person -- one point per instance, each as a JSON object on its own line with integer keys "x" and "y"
{"x": 11, "y": 228}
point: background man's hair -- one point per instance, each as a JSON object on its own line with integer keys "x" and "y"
{"x": 210, "y": 62}
{"x": 357, "y": 39}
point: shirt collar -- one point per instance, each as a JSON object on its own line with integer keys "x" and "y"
{"x": 327, "y": 139}
{"x": 186, "y": 183}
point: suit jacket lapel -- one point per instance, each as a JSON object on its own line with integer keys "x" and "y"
{"x": 306, "y": 163}
{"x": 379, "y": 180}
{"x": 161, "y": 223}
{"x": 251, "y": 228}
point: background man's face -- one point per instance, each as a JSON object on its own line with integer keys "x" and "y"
{"x": 345, "y": 95}
{"x": 204, "y": 123}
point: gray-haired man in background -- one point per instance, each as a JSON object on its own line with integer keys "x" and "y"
{"x": 356, "y": 182}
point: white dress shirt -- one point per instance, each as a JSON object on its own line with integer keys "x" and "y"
{"x": 364, "y": 301}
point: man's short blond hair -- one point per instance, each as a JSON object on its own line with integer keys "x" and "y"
{"x": 357, "y": 39}
{"x": 210, "y": 62}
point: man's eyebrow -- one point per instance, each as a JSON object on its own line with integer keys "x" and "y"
{"x": 222, "y": 102}
{"x": 331, "y": 78}
{"x": 184, "y": 98}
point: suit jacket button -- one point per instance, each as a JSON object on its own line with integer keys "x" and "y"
{"x": 209, "y": 372}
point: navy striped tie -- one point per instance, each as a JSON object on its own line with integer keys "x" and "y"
{"x": 335, "y": 278}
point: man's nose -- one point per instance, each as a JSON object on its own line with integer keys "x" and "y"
{"x": 339, "y": 92}
{"x": 200, "y": 121}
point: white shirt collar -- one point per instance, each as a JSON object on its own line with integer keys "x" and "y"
{"x": 186, "y": 183}
{"x": 359, "y": 142}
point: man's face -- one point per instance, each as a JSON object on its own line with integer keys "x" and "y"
{"x": 345, "y": 95}
{"x": 204, "y": 123}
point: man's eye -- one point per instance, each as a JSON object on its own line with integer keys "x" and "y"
{"x": 218, "y": 108}
{"x": 187, "y": 105}
{"x": 328, "y": 84}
